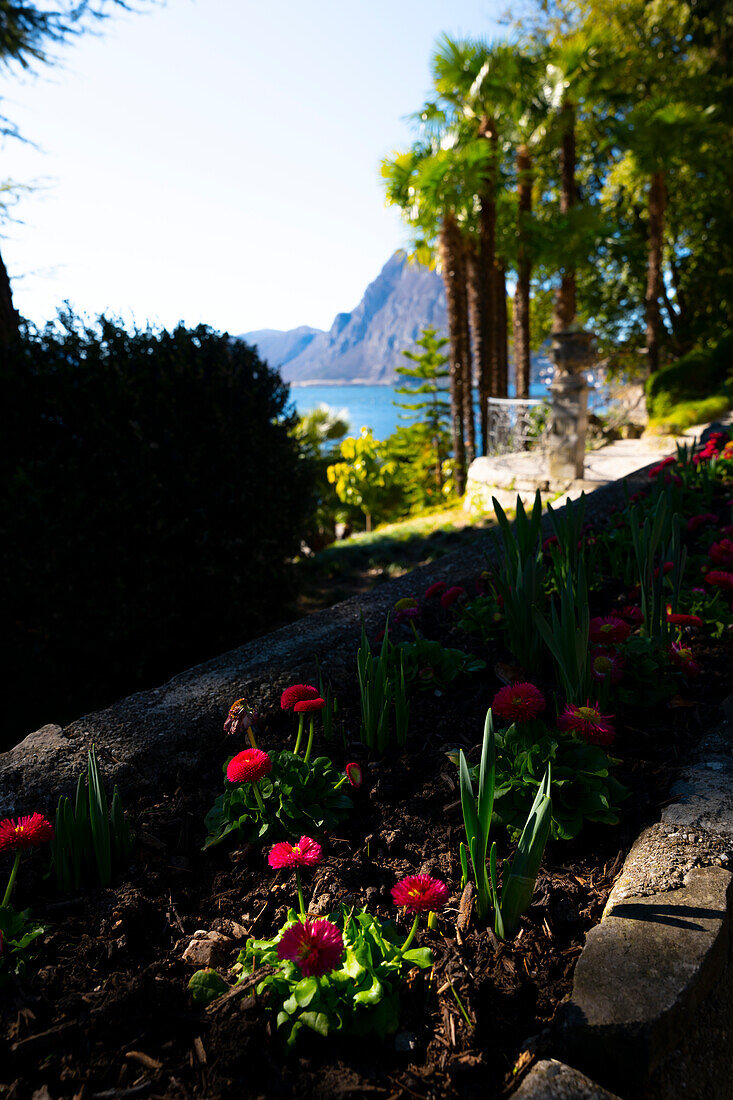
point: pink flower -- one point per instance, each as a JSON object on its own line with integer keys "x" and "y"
{"x": 694, "y": 523}
{"x": 681, "y": 657}
{"x": 295, "y": 694}
{"x": 406, "y": 614}
{"x": 420, "y": 893}
{"x": 354, "y": 773}
{"x": 305, "y": 706}
{"x": 720, "y": 579}
{"x": 551, "y": 540}
{"x": 721, "y": 553}
{"x": 306, "y": 853}
{"x": 240, "y": 717}
{"x": 450, "y": 596}
{"x": 436, "y": 589}
{"x": 669, "y": 461}
{"x": 605, "y": 665}
{"x": 26, "y": 832}
{"x": 632, "y": 614}
{"x": 518, "y": 702}
{"x": 248, "y": 766}
{"x": 593, "y": 727}
{"x": 315, "y": 945}
{"x": 609, "y": 630}
{"x": 683, "y": 620}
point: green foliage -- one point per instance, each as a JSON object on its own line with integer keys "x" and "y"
{"x": 18, "y": 935}
{"x": 656, "y": 541}
{"x": 511, "y": 893}
{"x": 383, "y": 692}
{"x": 430, "y": 666}
{"x": 566, "y": 636}
{"x": 153, "y": 497}
{"x": 89, "y": 836}
{"x": 299, "y": 797}
{"x": 647, "y": 674}
{"x": 361, "y": 997}
{"x": 583, "y": 789}
{"x": 698, "y": 377}
{"x": 366, "y": 478}
{"x": 318, "y": 434}
{"x": 686, "y": 414}
{"x": 205, "y": 986}
{"x": 519, "y": 579}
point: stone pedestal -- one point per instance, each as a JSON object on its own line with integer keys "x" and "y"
{"x": 571, "y": 355}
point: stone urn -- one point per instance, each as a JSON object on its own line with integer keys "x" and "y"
{"x": 572, "y": 355}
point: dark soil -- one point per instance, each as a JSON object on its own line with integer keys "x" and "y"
{"x": 108, "y": 1013}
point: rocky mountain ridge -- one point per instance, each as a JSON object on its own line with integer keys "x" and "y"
{"x": 363, "y": 346}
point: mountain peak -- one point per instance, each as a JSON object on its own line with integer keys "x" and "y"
{"x": 364, "y": 345}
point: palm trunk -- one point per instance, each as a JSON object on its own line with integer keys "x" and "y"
{"x": 488, "y": 368}
{"x": 476, "y": 308}
{"x": 524, "y": 270}
{"x": 657, "y": 201}
{"x": 502, "y": 345}
{"x": 9, "y": 320}
{"x": 565, "y": 303}
{"x": 449, "y": 247}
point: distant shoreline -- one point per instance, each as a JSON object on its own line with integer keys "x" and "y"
{"x": 338, "y": 382}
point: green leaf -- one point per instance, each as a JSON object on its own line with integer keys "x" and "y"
{"x": 206, "y": 985}
{"x": 305, "y": 991}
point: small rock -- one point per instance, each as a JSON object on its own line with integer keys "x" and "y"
{"x": 208, "y": 949}
{"x": 405, "y": 1041}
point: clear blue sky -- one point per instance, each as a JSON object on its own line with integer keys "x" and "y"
{"x": 218, "y": 161}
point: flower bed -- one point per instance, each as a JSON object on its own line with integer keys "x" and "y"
{"x": 112, "y": 961}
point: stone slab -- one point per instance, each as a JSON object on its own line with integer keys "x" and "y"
{"x": 704, "y": 792}
{"x": 553, "y": 1080}
{"x": 644, "y": 971}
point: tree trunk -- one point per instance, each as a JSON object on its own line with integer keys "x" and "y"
{"x": 9, "y": 320}
{"x": 501, "y": 334}
{"x": 476, "y": 309}
{"x": 657, "y": 200}
{"x": 565, "y": 304}
{"x": 524, "y": 269}
{"x": 488, "y": 368}
{"x": 449, "y": 248}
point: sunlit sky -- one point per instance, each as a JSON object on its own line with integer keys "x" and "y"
{"x": 218, "y": 161}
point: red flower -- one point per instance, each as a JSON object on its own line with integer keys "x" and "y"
{"x": 295, "y": 694}
{"x": 551, "y": 540}
{"x": 405, "y": 614}
{"x": 518, "y": 702}
{"x": 702, "y": 520}
{"x": 248, "y": 766}
{"x": 682, "y": 658}
{"x": 450, "y": 596}
{"x": 684, "y": 620}
{"x": 420, "y": 893}
{"x": 26, "y": 832}
{"x": 666, "y": 568}
{"x": 594, "y": 727}
{"x": 354, "y": 773}
{"x": 315, "y": 945}
{"x": 609, "y": 630}
{"x": 720, "y": 579}
{"x": 436, "y": 589}
{"x": 240, "y": 717}
{"x": 306, "y": 853}
{"x": 721, "y": 553}
{"x": 661, "y": 465}
{"x": 633, "y": 614}
{"x": 605, "y": 665}
{"x": 305, "y": 706}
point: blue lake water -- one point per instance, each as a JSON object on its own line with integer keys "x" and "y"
{"x": 363, "y": 406}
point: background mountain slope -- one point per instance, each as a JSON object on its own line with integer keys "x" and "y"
{"x": 365, "y": 345}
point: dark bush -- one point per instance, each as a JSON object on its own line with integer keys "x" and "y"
{"x": 698, "y": 374}
{"x": 152, "y": 497}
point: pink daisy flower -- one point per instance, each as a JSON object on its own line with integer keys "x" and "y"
{"x": 450, "y": 596}
{"x": 683, "y": 620}
{"x": 306, "y": 853}
{"x": 436, "y": 589}
{"x": 632, "y": 614}
{"x": 295, "y": 694}
{"x": 721, "y": 553}
{"x": 240, "y": 717}
{"x": 681, "y": 657}
{"x": 608, "y": 630}
{"x": 718, "y": 578}
{"x": 704, "y": 519}
{"x": 606, "y": 666}
{"x": 26, "y": 832}
{"x": 593, "y": 727}
{"x": 317, "y": 946}
{"x": 518, "y": 702}
{"x": 306, "y": 706}
{"x": 248, "y": 766}
{"x": 354, "y": 774}
{"x": 420, "y": 893}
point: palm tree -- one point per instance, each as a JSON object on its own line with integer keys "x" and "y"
{"x": 431, "y": 186}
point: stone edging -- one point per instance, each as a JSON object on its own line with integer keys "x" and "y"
{"x": 651, "y": 1011}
